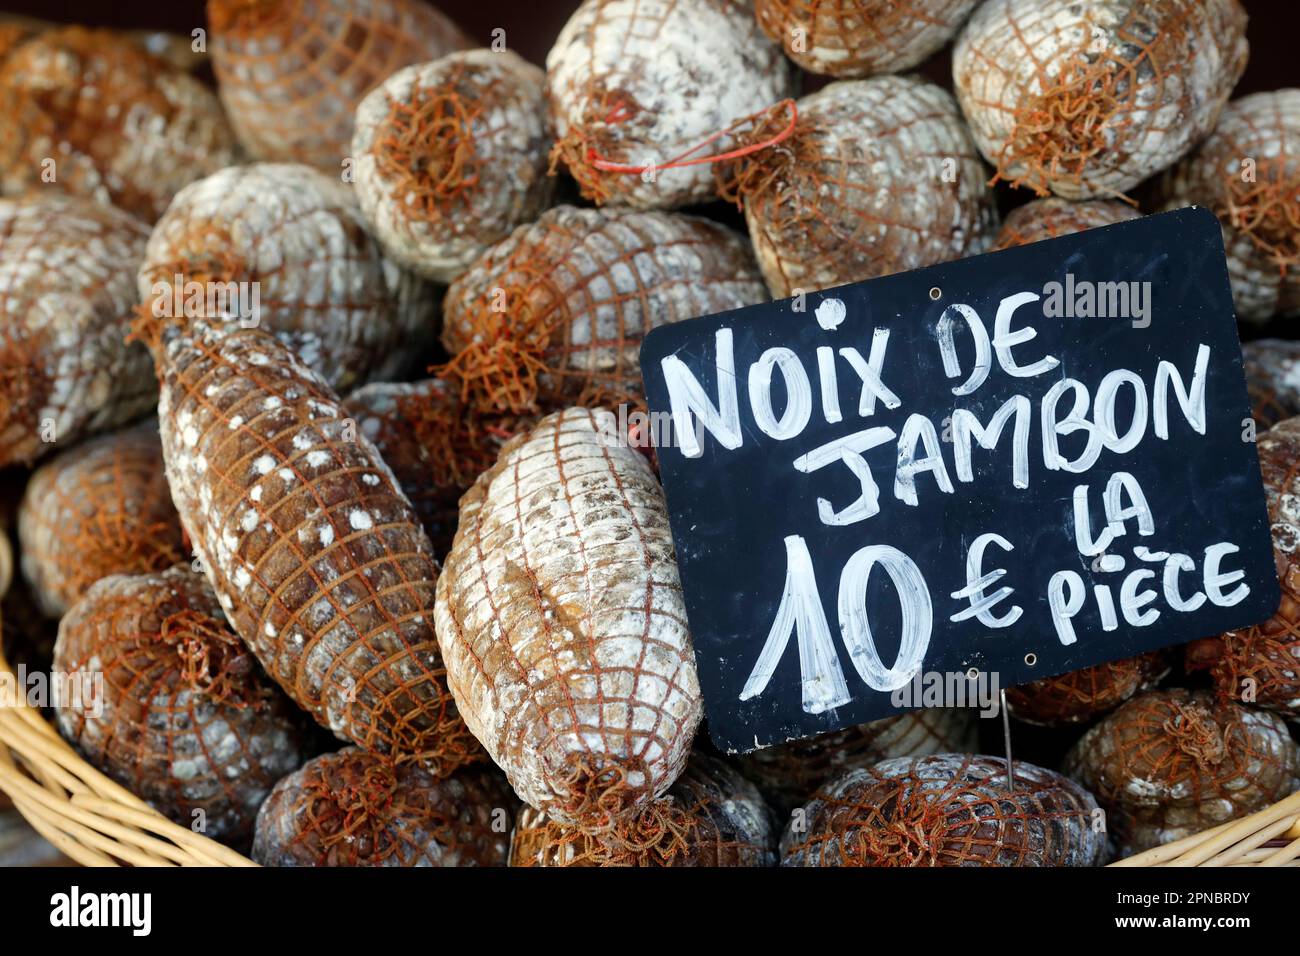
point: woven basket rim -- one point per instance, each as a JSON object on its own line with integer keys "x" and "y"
{"x": 1235, "y": 843}
{"x": 85, "y": 815}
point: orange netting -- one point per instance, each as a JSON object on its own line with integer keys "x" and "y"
{"x": 1272, "y": 380}
{"x": 1041, "y": 219}
{"x": 90, "y": 112}
{"x": 358, "y": 809}
{"x": 649, "y": 87}
{"x": 1261, "y": 664}
{"x": 711, "y": 816}
{"x": 946, "y": 810}
{"x": 317, "y": 557}
{"x": 689, "y": 157}
{"x": 173, "y": 48}
{"x": 24, "y": 385}
{"x": 789, "y": 774}
{"x": 451, "y": 156}
{"x": 561, "y": 617}
{"x": 1081, "y": 695}
{"x": 1090, "y": 99}
{"x": 283, "y": 247}
{"x": 100, "y": 508}
{"x": 879, "y": 176}
{"x": 291, "y": 72}
{"x": 435, "y": 445}
{"x": 67, "y": 288}
{"x": 1248, "y": 172}
{"x": 1060, "y": 131}
{"x": 860, "y": 38}
{"x": 555, "y": 314}
{"x": 11, "y": 36}
{"x": 188, "y": 721}
{"x": 1268, "y": 210}
{"x": 426, "y": 145}
{"x": 1171, "y": 763}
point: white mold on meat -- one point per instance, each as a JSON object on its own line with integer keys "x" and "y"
{"x": 470, "y": 161}
{"x": 562, "y": 623}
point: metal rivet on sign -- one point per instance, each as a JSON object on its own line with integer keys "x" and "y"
{"x": 936, "y": 293}
{"x": 1031, "y": 659}
{"x": 973, "y": 673}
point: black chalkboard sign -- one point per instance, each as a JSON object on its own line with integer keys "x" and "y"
{"x": 997, "y": 469}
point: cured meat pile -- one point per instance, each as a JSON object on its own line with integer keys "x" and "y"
{"x": 320, "y": 333}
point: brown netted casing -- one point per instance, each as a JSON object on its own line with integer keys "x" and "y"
{"x": 1248, "y": 172}
{"x": 789, "y": 774}
{"x": 189, "y": 722}
{"x": 1261, "y": 664}
{"x": 649, "y": 82}
{"x": 99, "y": 508}
{"x": 1081, "y": 695}
{"x": 554, "y": 315}
{"x": 313, "y": 550}
{"x": 1089, "y": 99}
{"x": 435, "y": 445}
{"x": 296, "y": 236}
{"x": 172, "y": 48}
{"x": 1049, "y": 218}
{"x": 946, "y": 810}
{"x": 879, "y": 176}
{"x": 712, "y": 816}
{"x": 66, "y": 299}
{"x": 291, "y": 72}
{"x": 861, "y": 38}
{"x": 561, "y": 619}
{"x": 354, "y": 808}
{"x": 1170, "y": 763}
{"x": 13, "y": 35}
{"x": 120, "y": 125}
{"x": 1272, "y": 380}
{"x": 451, "y": 156}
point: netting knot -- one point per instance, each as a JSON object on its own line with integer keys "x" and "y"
{"x": 774, "y": 146}
{"x": 913, "y": 833}
{"x": 599, "y": 792}
{"x": 504, "y": 368}
{"x": 426, "y": 146}
{"x": 194, "y": 285}
{"x": 1077, "y": 115}
{"x": 213, "y": 660}
{"x": 1266, "y": 211}
{"x": 1194, "y": 731}
{"x": 364, "y": 804}
{"x": 660, "y": 834}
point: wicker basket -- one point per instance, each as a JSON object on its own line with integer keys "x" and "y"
{"x": 85, "y": 815}
{"x": 1270, "y": 837}
{"x": 96, "y": 822}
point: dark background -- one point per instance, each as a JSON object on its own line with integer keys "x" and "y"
{"x": 532, "y": 25}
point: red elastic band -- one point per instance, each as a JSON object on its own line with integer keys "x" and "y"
{"x": 620, "y": 114}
